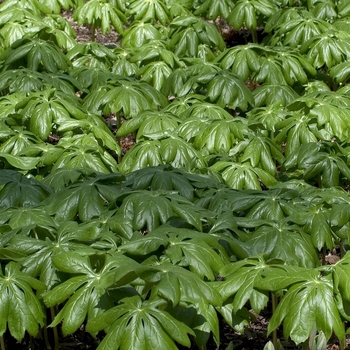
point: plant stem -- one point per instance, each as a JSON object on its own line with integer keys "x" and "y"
{"x": 46, "y": 339}
{"x": 342, "y": 342}
{"x": 93, "y": 34}
{"x": 55, "y": 333}
{"x": 323, "y": 262}
{"x": 119, "y": 123}
{"x": 31, "y": 342}
{"x": 254, "y": 35}
{"x": 2, "y": 342}
{"x": 274, "y": 333}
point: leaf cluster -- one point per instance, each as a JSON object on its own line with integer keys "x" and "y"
{"x": 236, "y": 184}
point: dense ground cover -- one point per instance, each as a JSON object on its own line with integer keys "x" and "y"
{"x": 187, "y": 178}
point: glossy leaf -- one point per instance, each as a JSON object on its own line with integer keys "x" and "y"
{"x": 140, "y": 324}
{"x": 310, "y": 301}
{"x": 83, "y": 299}
{"x": 149, "y": 11}
{"x": 18, "y": 190}
{"x": 21, "y": 309}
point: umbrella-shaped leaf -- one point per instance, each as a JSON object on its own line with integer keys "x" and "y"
{"x": 21, "y": 309}
{"x": 140, "y": 324}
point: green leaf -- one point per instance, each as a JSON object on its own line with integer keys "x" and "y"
{"x": 149, "y": 11}
{"x": 227, "y": 90}
{"x": 162, "y": 177}
{"x": 268, "y": 94}
{"x": 140, "y": 323}
{"x": 306, "y": 303}
{"x": 18, "y": 190}
{"x": 84, "y": 292}
{"x": 21, "y": 310}
{"x": 239, "y": 281}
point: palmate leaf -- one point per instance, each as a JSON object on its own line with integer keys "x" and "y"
{"x": 300, "y": 27}
{"x": 187, "y": 289}
{"x": 204, "y": 110}
{"x": 13, "y": 31}
{"x": 285, "y": 242}
{"x": 187, "y": 32}
{"x": 274, "y": 204}
{"x": 94, "y": 125}
{"x": 139, "y": 33}
{"x": 129, "y": 97}
{"x": 18, "y": 190}
{"x": 37, "y": 252}
{"x": 163, "y": 177}
{"x": 85, "y": 290}
{"x": 242, "y": 60}
{"x": 243, "y": 175}
{"x": 42, "y": 109}
{"x": 323, "y": 94}
{"x": 213, "y": 136}
{"x": 268, "y": 94}
{"x": 340, "y": 72}
{"x": 84, "y": 151}
{"x": 332, "y": 121}
{"x": 308, "y": 302}
{"x": 324, "y": 10}
{"x": 213, "y": 9}
{"x": 316, "y": 221}
{"x": 26, "y": 216}
{"x": 64, "y": 39}
{"x": 155, "y": 51}
{"x": 152, "y": 11}
{"x": 171, "y": 150}
{"x": 61, "y": 178}
{"x": 227, "y": 90}
{"x": 247, "y": 12}
{"x": 327, "y": 49}
{"x": 181, "y": 104}
{"x": 8, "y": 103}
{"x": 147, "y": 210}
{"x": 154, "y": 73}
{"x": 284, "y": 67}
{"x": 90, "y": 78}
{"x": 295, "y": 130}
{"x": 122, "y": 65}
{"x": 317, "y": 160}
{"x": 24, "y": 79}
{"x": 16, "y": 139}
{"x": 17, "y": 8}
{"x": 55, "y": 6}
{"x": 201, "y": 253}
{"x": 262, "y": 152}
{"x": 269, "y": 116}
{"x": 87, "y": 198}
{"x": 21, "y": 310}
{"x": 149, "y": 124}
{"x": 190, "y": 79}
{"x": 95, "y": 52}
{"x": 239, "y": 280}
{"x": 101, "y": 14}
{"x": 140, "y": 324}
{"x": 90, "y": 61}
{"x": 35, "y": 54}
